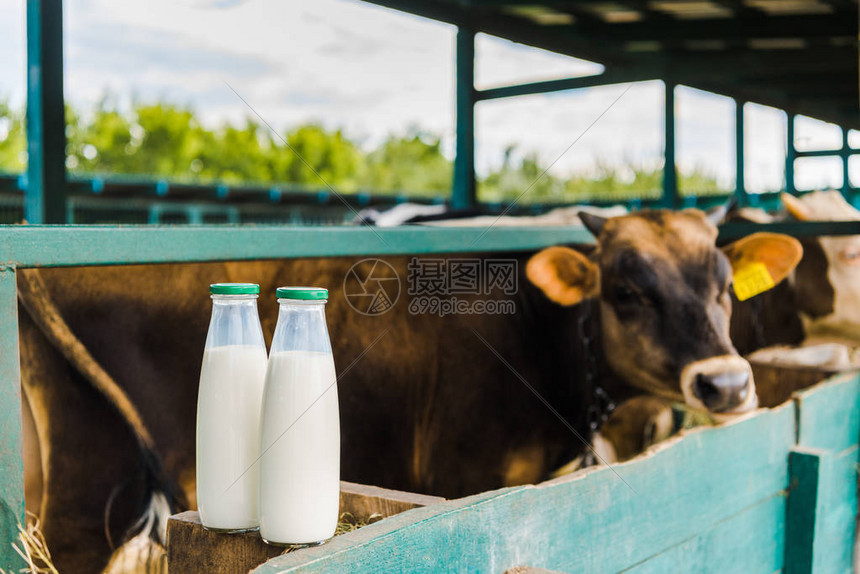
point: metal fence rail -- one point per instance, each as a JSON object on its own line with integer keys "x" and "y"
{"x": 51, "y": 246}
{"x": 124, "y": 200}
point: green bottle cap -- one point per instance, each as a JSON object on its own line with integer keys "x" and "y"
{"x": 303, "y": 293}
{"x": 234, "y": 289}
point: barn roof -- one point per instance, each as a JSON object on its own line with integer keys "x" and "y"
{"x": 798, "y": 55}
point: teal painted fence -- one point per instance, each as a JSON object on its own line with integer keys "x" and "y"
{"x": 776, "y": 491}
{"x": 51, "y": 246}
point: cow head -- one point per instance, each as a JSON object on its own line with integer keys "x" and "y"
{"x": 827, "y": 281}
{"x": 663, "y": 288}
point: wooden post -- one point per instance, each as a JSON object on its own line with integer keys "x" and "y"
{"x": 45, "y": 198}
{"x": 801, "y": 510}
{"x": 463, "y": 194}
{"x": 191, "y": 548}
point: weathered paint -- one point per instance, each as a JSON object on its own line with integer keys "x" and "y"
{"x": 774, "y": 491}
{"x": 805, "y": 465}
{"x": 11, "y": 463}
{"x": 825, "y": 468}
{"x": 712, "y": 498}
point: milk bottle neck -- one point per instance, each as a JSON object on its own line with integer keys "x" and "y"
{"x": 235, "y": 321}
{"x": 301, "y": 327}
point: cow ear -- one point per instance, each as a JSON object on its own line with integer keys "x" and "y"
{"x": 795, "y": 207}
{"x": 564, "y": 275}
{"x": 779, "y": 253}
{"x": 593, "y": 223}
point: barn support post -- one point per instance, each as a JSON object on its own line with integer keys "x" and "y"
{"x": 11, "y": 440}
{"x": 670, "y": 172}
{"x": 740, "y": 182}
{"x": 45, "y": 197}
{"x": 463, "y": 194}
{"x": 790, "y": 155}
{"x": 845, "y": 153}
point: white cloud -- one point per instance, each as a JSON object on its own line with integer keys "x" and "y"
{"x": 629, "y": 131}
{"x": 705, "y": 134}
{"x": 764, "y": 148}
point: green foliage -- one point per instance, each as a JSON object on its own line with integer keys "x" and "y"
{"x": 13, "y": 139}
{"x": 413, "y": 164}
{"x": 167, "y": 141}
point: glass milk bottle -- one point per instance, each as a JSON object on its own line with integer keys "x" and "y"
{"x": 300, "y": 448}
{"x": 228, "y": 410}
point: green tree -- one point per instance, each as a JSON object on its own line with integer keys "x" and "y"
{"x": 13, "y": 139}
{"x": 166, "y": 140}
{"x": 335, "y": 160}
{"x": 412, "y": 164}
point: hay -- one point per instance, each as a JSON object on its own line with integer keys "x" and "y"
{"x": 31, "y": 546}
{"x": 137, "y": 556}
{"x": 347, "y": 522}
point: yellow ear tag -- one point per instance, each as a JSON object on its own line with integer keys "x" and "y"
{"x": 752, "y": 279}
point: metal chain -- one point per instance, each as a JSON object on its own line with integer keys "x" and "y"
{"x": 758, "y": 326}
{"x": 601, "y": 405}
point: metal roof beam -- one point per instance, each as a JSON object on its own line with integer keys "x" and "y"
{"x": 607, "y": 78}
{"x": 817, "y": 26}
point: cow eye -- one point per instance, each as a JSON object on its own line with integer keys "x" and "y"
{"x": 624, "y": 295}
{"x": 724, "y": 289}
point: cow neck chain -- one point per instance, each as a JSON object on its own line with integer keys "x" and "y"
{"x": 601, "y": 405}
{"x": 758, "y": 321}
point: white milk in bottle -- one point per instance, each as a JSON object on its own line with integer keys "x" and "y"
{"x": 228, "y": 410}
{"x": 300, "y": 426}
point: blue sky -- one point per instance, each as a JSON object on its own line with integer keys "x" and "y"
{"x": 374, "y": 71}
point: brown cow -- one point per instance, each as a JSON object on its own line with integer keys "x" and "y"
{"x": 110, "y": 360}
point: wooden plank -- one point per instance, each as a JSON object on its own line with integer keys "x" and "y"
{"x": 829, "y": 414}
{"x": 823, "y": 501}
{"x": 802, "y": 508}
{"x": 689, "y": 485}
{"x": 750, "y": 541}
{"x": 191, "y": 548}
{"x": 821, "y": 511}
{"x": 11, "y": 462}
{"x": 44, "y": 246}
{"x": 837, "y": 510}
{"x": 775, "y": 384}
{"x": 363, "y": 501}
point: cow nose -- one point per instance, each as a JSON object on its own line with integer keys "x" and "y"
{"x": 721, "y": 391}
